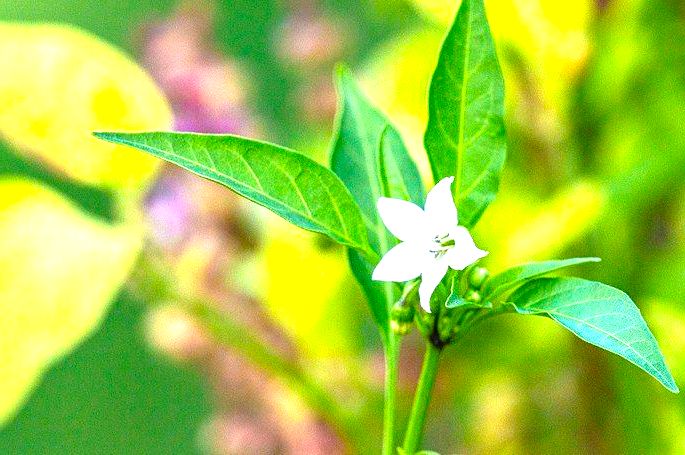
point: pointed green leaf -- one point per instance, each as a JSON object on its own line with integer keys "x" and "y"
{"x": 370, "y": 158}
{"x": 515, "y": 276}
{"x": 355, "y": 159}
{"x": 465, "y": 137}
{"x": 286, "y": 182}
{"x": 398, "y": 176}
{"x": 599, "y": 314}
{"x": 380, "y": 295}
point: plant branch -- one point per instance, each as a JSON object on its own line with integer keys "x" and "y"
{"x": 424, "y": 389}
{"x": 392, "y": 352}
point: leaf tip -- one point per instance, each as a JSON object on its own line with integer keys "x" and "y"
{"x": 671, "y": 386}
{"x": 106, "y": 136}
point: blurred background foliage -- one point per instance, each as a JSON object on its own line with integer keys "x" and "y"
{"x": 596, "y": 123}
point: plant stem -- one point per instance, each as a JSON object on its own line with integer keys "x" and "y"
{"x": 424, "y": 389}
{"x": 392, "y": 352}
{"x": 234, "y": 336}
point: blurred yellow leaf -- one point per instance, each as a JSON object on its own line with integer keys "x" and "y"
{"x": 545, "y": 232}
{"x": 59, "y": 269}
{"x": 59, "y": 84}
{"x": 548, "y": 30}
{"x": 543, "y": 46}
{"x": 397, "y": 80}
{"x": 303, "y": 284}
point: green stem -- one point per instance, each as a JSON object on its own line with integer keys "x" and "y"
{"x": 424, "y": 389}
{"x": 392, "y": 353}
{"x": 236, "y": 337}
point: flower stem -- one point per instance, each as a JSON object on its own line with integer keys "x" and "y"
{"x": 392, "y": 353}
{"x": 424, "y": 389}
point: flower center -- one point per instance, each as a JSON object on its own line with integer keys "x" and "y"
{"x": 441, "y": 244}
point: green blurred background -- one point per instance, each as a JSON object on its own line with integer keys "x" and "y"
{"x": 596, "y": 122}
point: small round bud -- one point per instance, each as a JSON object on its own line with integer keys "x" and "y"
{"x": 400, "y": 328}
{"x": 402, "y": 312}
{"x": 478, "y": 276}
{"x": 472, "y": 296}
{"x": 401, "y": 317}
{"x": 444, "y": 327}
{"x": 427, "y": 319}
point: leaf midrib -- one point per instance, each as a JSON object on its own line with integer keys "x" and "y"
{"x": 189, "y": 164}
{"x": 368, "y": 167}
{"x": 624, "y": 343}
{"x": 379, "y": 229}
{"x": 462, "y": 104}
{"x": 557, "y": 314}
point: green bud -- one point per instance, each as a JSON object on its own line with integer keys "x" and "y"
{"x": 400, "y": 328}
{"x": 472, "y": 296}
{"x": 427, "y": 319}
{"x": 444, "y": 327}
{"x": 402, "y": 312}
{"x": 401, "y": 317}
{"x": 478, "y": 276}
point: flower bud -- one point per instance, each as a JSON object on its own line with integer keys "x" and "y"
{"x": 427, "y": 319}
{"x": 400, "y": 328}
{"x": 478, "y": 276}
{"x": 472, "y": 296}
{"x": 401, "y": 317}
{"x": 402, "y": 312}
{"x": 445, "y": 327}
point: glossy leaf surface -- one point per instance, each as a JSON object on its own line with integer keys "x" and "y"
{"x": 286, "y": 182}
{"x": 599, "y": 314}
{"x": 518, "y": 275}
{"x": 465, "y": 137}
{"x": 369, "y": 156}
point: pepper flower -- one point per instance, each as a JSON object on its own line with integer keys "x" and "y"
{"x": 431, "y": 241}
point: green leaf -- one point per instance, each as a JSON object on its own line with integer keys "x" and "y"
{"x": 287, "y": 183}
{"x": 380, "y": 295}
{"x": 599, "y": 314}
{"x": 370, "y": 158}
{"x": 355, "y": 159}
{"x": 515, "y": 276}
{"x": 398, "y": 175}
{"x": 465, "y": 137}
{"x": 456, "y": 300}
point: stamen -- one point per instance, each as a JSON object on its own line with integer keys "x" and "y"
{"x": 443, "y": 243}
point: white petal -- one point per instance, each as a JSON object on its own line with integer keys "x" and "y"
{"x": 403, "y": 262}
{"x": 465, "y": 252}
{"x": 440, "y": 209}
{"x": 405, "y": 220}
{"x": 430, "y": 279}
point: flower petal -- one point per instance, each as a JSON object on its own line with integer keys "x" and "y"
{"x": 405, "y": 220}
{"x": 440, "y": 208}
{"x": 465, "y": 251}
{"x": 431, "y": 277}
{"x": 403, "y": 262}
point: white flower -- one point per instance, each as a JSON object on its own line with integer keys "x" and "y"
{"x": 431, "y": 241}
